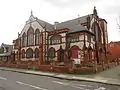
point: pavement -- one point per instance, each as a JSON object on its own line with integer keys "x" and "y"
{"x": 110, "y": 76}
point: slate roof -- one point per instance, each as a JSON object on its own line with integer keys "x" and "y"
{"x": 49, "y": 27}
{"x": 32, "y": 18}
{"x": 73, "y": 25}
{"x": 8, "y": 53}
{"x": 74, "y": 22}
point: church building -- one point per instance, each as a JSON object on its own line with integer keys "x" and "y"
{"x": 82, "y": 40}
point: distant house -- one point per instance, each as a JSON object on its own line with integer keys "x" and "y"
{"x": 114, "y": 50}
{"x": 5, "y": 52}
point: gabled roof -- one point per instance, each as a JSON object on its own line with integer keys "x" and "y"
{"x": 44, "y": 24}
{"x": 74, "y": 25}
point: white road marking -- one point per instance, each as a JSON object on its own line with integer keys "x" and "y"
{"x": 83, "y": 85}
{"x": 36, "y": 87}
{"x": 69, "y": 84}
{"x": 100, "y": 88}
{"x": 3, "y": 78}
{"x": 62, "y": 83}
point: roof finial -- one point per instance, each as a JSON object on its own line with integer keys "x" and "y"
{"x": 95, "y": 11}
{"x": 78, "y": 19}
{"x": 31, "y": 12}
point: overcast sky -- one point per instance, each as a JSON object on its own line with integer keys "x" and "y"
{"x": 14, "y": 14}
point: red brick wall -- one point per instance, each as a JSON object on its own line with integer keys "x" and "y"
{"x": 114, "y": 51}
{"x": 85, "y": 70}
{"x": 63, "y": 69}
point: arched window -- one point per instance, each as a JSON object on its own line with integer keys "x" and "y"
{"x": 51, "y": 53}
{"x": 16, "y": 56}
{"x": 36, "y": 53}
{"x": 37, "y": 34}
{"x": 23, "y": 53}
{"x": 24, "y": 39}
{"x": 30, "y": 36}
{"x": 29, "y": 53}
{"x": 61, "y": 54}
{"x": 56, "y": 39}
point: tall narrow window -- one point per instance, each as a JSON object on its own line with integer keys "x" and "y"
{"x": 51, "y": 53}
{"x": 30, "y": 36}
{"x": 61, "y": 53}
{"x": 24, "y": 39}
{"x": 36, "y": 53}
{"x": 37, "y": 36}
{"x": 23, "y": 53}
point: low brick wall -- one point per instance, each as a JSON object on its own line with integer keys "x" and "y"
{"x": 45, "y": 68}
{"x": 23, "y": 66}
{"x": 99, "y": 68}
{"x": 84, "y": 70}
{"x": 63, "y": 69}
{"x": 59, "y": 69}
{"x": 111, "y": 65}
{"x": 106, "y": 66}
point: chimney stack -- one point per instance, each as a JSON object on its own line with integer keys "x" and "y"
{"x": 55, "y": 25}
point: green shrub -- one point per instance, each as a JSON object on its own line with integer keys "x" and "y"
{"x": 78, "y": 65}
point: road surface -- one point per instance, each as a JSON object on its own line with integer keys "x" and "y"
{"x": 19, "y": 81}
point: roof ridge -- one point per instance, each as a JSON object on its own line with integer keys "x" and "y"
{"x": 75, "y": 18}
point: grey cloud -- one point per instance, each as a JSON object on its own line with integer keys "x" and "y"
{"x": 68, "y": 3}
{"x": 112, "y": 9}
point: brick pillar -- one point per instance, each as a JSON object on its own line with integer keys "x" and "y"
{"x": 41, "y": 51}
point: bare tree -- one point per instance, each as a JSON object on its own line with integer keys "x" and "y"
{"x": 118, "y": 22}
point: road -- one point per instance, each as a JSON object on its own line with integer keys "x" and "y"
{"x": 19, "y": 81}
